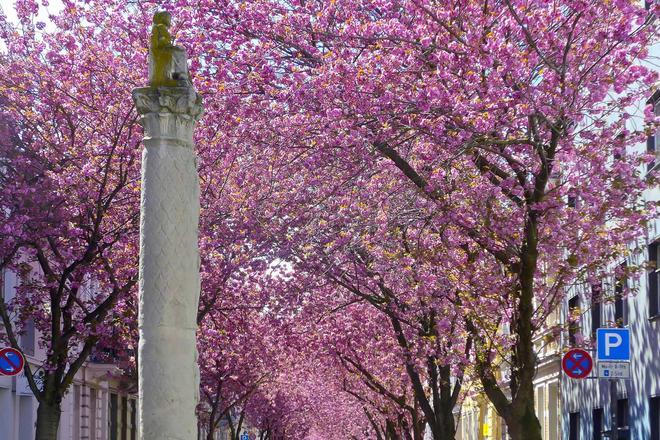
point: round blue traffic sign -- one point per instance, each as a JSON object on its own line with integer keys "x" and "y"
{"x": 11, "y": 362}
{"x": 577, "y": 363}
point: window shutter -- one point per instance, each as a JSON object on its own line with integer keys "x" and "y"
{"x": 654, "y": 293}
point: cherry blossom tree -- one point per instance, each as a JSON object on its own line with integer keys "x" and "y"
{"x": 418, "y": 156}
{"x": 70, "y": 200}
{"x": 70, "y": 191}
{"x": 495, "y": 113}
{"x": 236, "y": 360}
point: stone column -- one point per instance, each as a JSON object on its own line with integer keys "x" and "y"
{"x": 169, "y": 264}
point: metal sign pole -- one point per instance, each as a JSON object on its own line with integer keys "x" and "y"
{"x": 614, "y": 429}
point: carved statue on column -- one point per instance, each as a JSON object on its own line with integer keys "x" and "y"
{"x": 167, "y": 62}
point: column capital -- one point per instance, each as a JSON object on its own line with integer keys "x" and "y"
{"x": 168, "y": 113}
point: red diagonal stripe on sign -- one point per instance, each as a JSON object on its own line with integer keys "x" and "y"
{"x": 9, "y": 361}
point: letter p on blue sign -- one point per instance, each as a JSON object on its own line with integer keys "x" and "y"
{"x": 613, "y": 344}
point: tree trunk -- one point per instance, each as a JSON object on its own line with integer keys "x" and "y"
{"x": 240, "y": 425}
{"x": 522, "y": 421}
{"x": 48, "y": 421}
{"x": 524, "y": 426}
{"x": 391, "y": 433}
{"x": 419, "y": 428}
{"x": 444, "y": 400}
{"x": 211, "y": 425}
{"x": 445, "y": 428}
{"x": 230, "y": 423}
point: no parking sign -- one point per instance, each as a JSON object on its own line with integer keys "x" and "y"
{"x": 577, "y": 363}
{"x": 11, "y": 362}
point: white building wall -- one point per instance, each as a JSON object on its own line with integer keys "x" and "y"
{"x": 82, "y": 418}
{"x": 584, "y": 396}
{"x": 85, "y": 417}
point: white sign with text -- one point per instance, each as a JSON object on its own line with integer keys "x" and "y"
{"x": 614, "y": 370}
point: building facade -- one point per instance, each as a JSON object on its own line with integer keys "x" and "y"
{"x": 592, "y": 408}
{"x": 97, "y": 406}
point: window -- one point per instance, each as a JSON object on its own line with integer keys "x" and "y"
{"x": 654, "y": 414}
{"x": 28, "y": 337}
{"x": 620, "y": 315}
{"x": 77, "y": 416}
{"x": 654, "y": 273}
{"x": 574, "y": 426}
{"x": 540, "y": 403}
{"x": 114, "y": 425}
{"x": 553, "y": 411}
{"x": 124, "y": 417}
{"x": 25, "y": 417}
{"x": 596, "y": 308}
{"x": 573, "y": 320}
{"x": 92, "y": 414}
{"x": 652, "y": 140}
{"x": 622, "y": 418}
{"x": 133, "y": 419}
{"x": 650, "y": 148}
{"x": 597, "y": 419}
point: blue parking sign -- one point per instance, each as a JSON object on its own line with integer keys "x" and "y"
{"x": 613, "y": 344}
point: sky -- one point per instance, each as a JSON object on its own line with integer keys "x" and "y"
{"x": 53, "y": 7}
{"x": 7, "y": 6}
